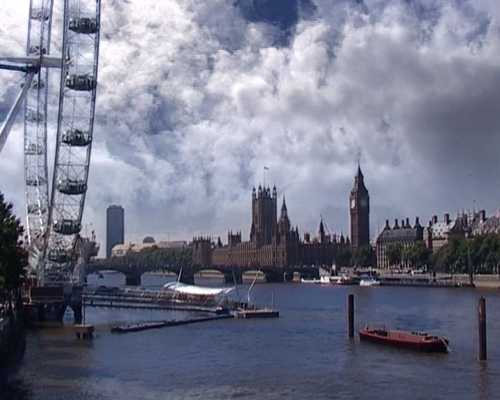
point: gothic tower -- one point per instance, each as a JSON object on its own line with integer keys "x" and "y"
{"x": 284, "y": 223}
{"x": 359, "y": 205}
{"x": 264, "y": 215}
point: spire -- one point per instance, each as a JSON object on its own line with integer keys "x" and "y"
{"x": 359, "y": 181}
{"x": 321, "y": 231}
{"x": 283, "y": 207}
{"x": 360, "y": 173}
{"x": 284, "y": 222}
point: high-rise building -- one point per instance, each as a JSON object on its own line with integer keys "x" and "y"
{"x": 115, "y": 227}
{"x": 359, "y": 205}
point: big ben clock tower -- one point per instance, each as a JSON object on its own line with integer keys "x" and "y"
{"x": 359, "y": 206}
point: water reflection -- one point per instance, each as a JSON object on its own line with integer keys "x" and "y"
{"x": 303, "y": 355}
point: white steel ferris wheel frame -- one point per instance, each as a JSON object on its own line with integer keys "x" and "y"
{"x": 54, "y": 223}
{"x": 35, "y": 124}
{"x": 77, "y": 95}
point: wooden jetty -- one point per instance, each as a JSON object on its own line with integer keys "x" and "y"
{"x": 238, "y": 314}
{"x": 84, "y": 331}
{"x": 163, "y": 324}
{"x": 256, "y": 313}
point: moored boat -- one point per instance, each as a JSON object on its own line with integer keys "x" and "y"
{"x": 419, "y": 341}
{"x": 306, "y": 280}
{"x": 342, "y": 280}
{"x": 369, "y": 282}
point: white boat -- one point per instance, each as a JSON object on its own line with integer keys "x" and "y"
{"x": 341, "y": 280}
{"x": 324, "y": 280}
{"x": 369, "y": 282}
{"x": 197, "y": 290}
{"x": 305, "y": 280}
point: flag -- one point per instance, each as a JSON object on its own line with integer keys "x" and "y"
{"x": 266, "y": 168}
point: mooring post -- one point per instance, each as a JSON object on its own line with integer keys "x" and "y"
{"x": 350, "y": 315}
{"x": 482, "y": 329}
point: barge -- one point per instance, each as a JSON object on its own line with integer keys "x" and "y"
{"x": 418, "y": 341}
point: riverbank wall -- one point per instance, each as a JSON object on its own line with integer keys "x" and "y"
{"x": 480, "y": 281}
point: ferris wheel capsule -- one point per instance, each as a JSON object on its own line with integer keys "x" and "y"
{"x": 34, "y": 149}
{"x": 83, "y": 82}
{"x": 72, "y": 186}
{"x": 67, "y": 227}
{"x": 76, "y": 137}
{"x": 40, "y": 14}
{"x": 83, "y": 25}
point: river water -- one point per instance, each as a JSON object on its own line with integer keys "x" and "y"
{"x": 304, "y": 354}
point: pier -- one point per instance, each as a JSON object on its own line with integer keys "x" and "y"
{"x": 163, "y": 324}
{"x": 155, "y": 299}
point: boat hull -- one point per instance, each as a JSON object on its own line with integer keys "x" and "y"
{"x": 404, "y": 340}
{"x": 369, "y": 283}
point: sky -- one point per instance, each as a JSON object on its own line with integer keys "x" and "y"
{"x": 195, "y": 98}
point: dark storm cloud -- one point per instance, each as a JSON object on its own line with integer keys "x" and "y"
{"x": 283, "y": 14}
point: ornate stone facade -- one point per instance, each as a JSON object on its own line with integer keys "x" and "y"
{"x": 404, "y": 235}
{"x": 274, "y": 244}
{"x": 359, "y": 206}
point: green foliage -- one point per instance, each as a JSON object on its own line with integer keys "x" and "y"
{"x": 13, "y": 257}
{"x": 478, "y": 255}
{"x": 416, "y": 255}
{"x": 343, "y": 258}
{"x": 363, "y": 257}
{"x": 394, "y": 253}
{"x": 153, "y": 258}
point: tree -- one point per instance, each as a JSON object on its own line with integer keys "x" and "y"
{"x": 343, "y": 258}
{"x": 417, "y": 255}
{"x": 394, "y": 252}
{"x": 13, "y": 257}
{"x": 363, "y": 256}
{"x": 469, "y": 256}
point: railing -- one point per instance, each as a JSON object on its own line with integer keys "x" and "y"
{"x": 47, "y": 299}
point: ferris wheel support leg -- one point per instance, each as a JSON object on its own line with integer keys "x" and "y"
{"x": 11, "y": 116}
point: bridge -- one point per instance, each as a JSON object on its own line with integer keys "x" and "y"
{"x": 179, "y": 261}
{"x": 133, "y": 272}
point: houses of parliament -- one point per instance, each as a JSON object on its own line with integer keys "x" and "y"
{"x": 275, "y": 244}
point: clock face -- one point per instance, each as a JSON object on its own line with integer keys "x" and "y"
{"x": 353, "y": 203}
{"x": 364, "y": 202}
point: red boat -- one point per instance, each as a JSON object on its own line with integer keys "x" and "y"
{"x": 419, "y": 341}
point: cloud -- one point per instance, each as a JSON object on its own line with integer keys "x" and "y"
{"x": 196, "y": 97}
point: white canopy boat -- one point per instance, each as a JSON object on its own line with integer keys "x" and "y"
{"x": 193, "y": 290}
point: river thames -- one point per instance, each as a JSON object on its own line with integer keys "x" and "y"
{"x": 305, "y": 354}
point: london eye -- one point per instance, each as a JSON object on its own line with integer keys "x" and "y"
{"x": 54, "y": 208}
